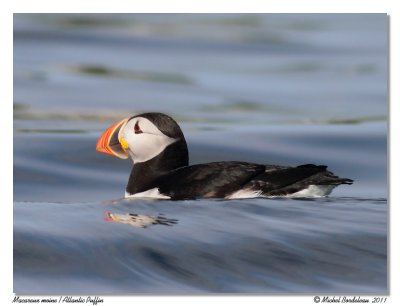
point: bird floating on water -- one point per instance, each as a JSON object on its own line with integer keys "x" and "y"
{"x": 158, "y": 149}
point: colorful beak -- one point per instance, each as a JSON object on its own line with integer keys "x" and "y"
{"x": 110, "y": 142}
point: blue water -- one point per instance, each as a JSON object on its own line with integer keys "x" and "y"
{"x": 279, "y": 89}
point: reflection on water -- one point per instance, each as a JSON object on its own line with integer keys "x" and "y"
{"x": 284, "y": 89}
{"x": 139, "y": 220}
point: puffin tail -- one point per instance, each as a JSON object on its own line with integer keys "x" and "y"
{"x": 325, "y": 177}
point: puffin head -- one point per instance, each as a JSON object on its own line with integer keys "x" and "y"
{"x": 141, "y": 137}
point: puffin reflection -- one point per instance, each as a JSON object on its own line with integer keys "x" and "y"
{"x": 138, "y": 220}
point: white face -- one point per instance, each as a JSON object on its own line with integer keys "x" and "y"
{"x": 144, "y": 139}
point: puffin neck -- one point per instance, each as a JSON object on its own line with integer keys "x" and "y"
{"x": 143, "y": 175}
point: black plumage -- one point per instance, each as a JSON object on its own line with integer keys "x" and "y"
{"x": 221, "y": 179}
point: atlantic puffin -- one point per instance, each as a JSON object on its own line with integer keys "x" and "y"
{"x": 158, "y": 149}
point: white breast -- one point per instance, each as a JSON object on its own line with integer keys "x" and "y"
{"x": 244, "y": 194}
{"x": 313, "y": 191}
{"x": 151, "y": 193}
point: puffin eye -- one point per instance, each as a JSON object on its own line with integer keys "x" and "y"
{"x": 137, "y": 128}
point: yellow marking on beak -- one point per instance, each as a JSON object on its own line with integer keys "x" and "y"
{"x": 124, "y": 143}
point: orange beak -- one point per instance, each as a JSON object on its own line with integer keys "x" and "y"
{"x": 109, "y": 141}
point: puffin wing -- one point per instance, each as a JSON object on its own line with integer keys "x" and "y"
{"x": 289, "y": 180}
{"x": 212, "y": 180}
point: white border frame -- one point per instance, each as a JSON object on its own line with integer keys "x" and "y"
{"x": 8, "y": 7}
